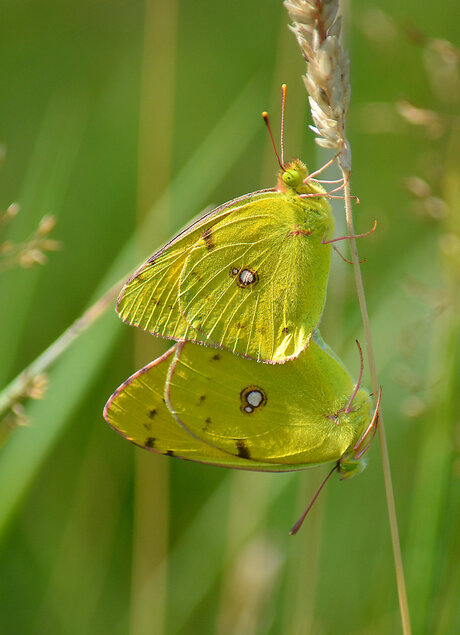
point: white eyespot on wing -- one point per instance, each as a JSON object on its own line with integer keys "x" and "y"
{"x": 247, "y": 277}
{"x": 254, "y": 398}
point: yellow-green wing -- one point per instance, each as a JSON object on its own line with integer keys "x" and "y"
{"x": 138, "y": 412}
{"x": 255, "y": 283}
{"x": 149, "y": 298}
{"x": 281, "y": 415}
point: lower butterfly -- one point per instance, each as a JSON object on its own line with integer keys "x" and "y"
{"x": 207, "y": 405}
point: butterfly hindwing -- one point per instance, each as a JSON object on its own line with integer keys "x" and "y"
{"x": 250, "y": 277}
{"x": 137, "y": 410}
{"x": 277, "y": 415}
{"x": 255, "y": 283}
{"x": 149, "y": 298}
{"x": 210, "y": 406}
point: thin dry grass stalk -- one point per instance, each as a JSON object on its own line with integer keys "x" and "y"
{"x": 317, "y": 26}
{"x": 31, "y": 251}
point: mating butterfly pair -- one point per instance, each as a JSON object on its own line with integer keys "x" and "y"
{"x": 249, "y": 281}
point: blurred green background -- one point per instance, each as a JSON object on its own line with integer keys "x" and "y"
{"x": 116, "y": 111}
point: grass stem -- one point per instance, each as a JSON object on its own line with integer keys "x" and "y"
{"x": 402, "y": 594}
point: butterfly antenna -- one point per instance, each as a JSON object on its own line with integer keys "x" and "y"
{"x": 371, "y": 427}
{"x": 334, "y": 240}
{"x": 267, "y": 123}
{"x": 299, "y": 523}
{"x": 358, "y": 383}
{"x": 283, "y": 108}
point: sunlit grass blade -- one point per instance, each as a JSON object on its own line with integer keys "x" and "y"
{"x": 25, "y": 452}
{"x": 156, "y": 125}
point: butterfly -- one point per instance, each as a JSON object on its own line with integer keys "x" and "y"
{"x": 210, "y": 406}
{"x": 250, "y": 276}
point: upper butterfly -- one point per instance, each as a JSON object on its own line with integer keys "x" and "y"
{"x": 250, "y": 276}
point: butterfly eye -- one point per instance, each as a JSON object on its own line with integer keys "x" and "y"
{"x": 253, "y": 399}
{"x": 292, "y": 178}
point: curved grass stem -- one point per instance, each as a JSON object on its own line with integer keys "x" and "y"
{"x": 16, "y": 391}
{"x": 402, "y": 594}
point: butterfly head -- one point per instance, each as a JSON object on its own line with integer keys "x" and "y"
{"x": 293, "y": 175}
{"x": 359, "y": 418}
{"x": 348, "y": 466}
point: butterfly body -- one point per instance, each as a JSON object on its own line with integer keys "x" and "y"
{"x": 208, "y": 405}
{"x": 250, "y": 277}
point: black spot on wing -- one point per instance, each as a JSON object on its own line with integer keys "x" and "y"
{"x": 153, "y": 413}
{"x": 215, "y": 358}
{"x": 169, "y": 453}
{"x": 208, "y": 239}
{"x": 242, "y": 449}
{"x": 150, "y": 442}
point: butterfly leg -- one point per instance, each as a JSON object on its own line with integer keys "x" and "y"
{"x": 334, "y": 240}
{"x": 372, "y": 427}
{"x": 321, "y": 169}
{"x": 346, "y": 259}
{"x": 347, "y": 409}
{"x": 298, "y": 524}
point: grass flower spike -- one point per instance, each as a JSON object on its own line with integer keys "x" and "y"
{"x": 316, "y": 25}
